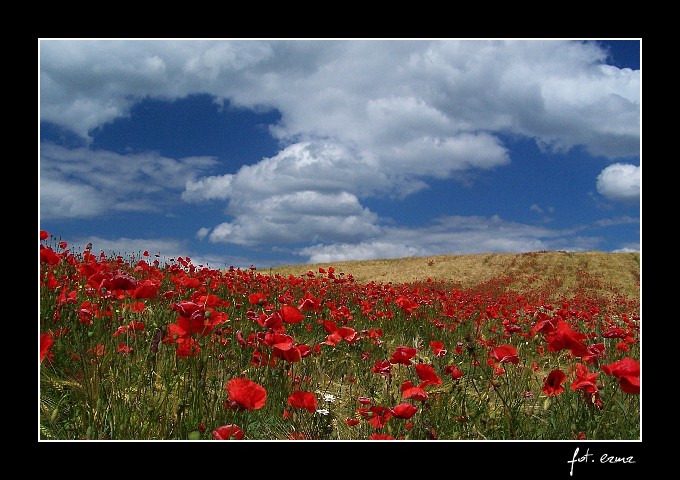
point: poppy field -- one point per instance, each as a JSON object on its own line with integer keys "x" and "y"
{"x": 139, "y": 348}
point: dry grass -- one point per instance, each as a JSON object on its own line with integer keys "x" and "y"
{"x": 615, "y": 272}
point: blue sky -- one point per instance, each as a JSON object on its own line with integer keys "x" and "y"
{"x": 279, "y": 152}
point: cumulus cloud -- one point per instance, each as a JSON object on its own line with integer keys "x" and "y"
{"x": 81, "y": 183}
{"x": 620, "y": 182}
{"x": 367, "y": 92}
{"x": 459, "y": 234}
{"x": 357, "y": 119}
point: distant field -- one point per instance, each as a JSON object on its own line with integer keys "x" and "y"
{"x": 617, "y": 272}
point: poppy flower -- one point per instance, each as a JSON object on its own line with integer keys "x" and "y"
{"x": 310, "y": 303}
{"x": 245, "y": 394}
{"x": 291, "y": 314}
{"x": 124, "y": 349}
{"x": 585, "y": 380}
{"x": 46, "y": 342}
{"x": 403, "y": 355}
{"x": 454, "y": 371}
{"x": 553, "y": 382}
{"x": 306, "y": 400}
{"x": 49, "y": 256}
{"x": 427, "y": 375}
{"x": 352, "y": 421}
{"x": 438, "y": 349}
{"x": 377, "y": 416}
{"x": 383, "y": 368}
{"x": 627, "y": 371}
{"x": 381, "y": 436}
{"x": 404, "y": 410}
{"x": 146, "y": 289}
{"x": 505, "y": 354}
{"x": 565, "y": 338}
{"x": 226, "y": 432}
{"x": 408, "y": 390}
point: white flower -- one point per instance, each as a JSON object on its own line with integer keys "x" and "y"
{"x": 323, "y": 411}
{"x": 327, "y": 397}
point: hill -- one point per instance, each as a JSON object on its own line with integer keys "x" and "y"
{"x": 614, "y": 272}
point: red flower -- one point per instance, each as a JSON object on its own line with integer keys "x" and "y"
{"x": 257, "y": 298}
{"x": 225, "y": 432}
{"x": 404, "y": 410}
{"x": 46, "y": 342}
{"x": 124, "y": 349}
{"x": 505, "y": 354}
{"x": 310, "y": 303}
{"x": 403, "y": 355}
{"x": 377, "y": 416}
{"x": 352, "y": 421}
{"x": 564, "y": 338}
{"x": 291, "y": 314}
{"x": 553, "y": 382}
{"x": 305, "y": 400}
{"x": 454, "y": 371}
{"x": 427, "y": 375}
{"x": 245, "y": 394}
{"x": 381, "y": 436}
{"x": 408, "y": 390}
{"x": 627, "y": 371}
{"x": 438, "y": 349}
{"x": 146, "y": 289}
{"x": 585, "y": 380}
{"x": 49, "y": 256}
{"x": 383, "y": 368}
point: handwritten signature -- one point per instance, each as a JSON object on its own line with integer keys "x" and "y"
{"x": 605, "y": 458}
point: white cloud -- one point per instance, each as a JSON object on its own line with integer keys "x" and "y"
{"x": 358, "y": 119}
{"x": 620, "y": 182}
{"x": 364, "y": 92}
{"x": 453, "y": 234}
{"x": 303, "y": 216}
{"x": 82, "y": 183}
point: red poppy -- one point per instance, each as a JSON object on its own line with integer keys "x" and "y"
{"x": 553, "y": 382}
{"x": 627, "y": 371}
{"x": 49, "y": 256}
{"x": 146, "y": 289}
{"x": 310, "y": 303}
{"x": 46, "y": 342}
{"x": 377, "y": 416}
{"x": 427, "y": 375}
{"x": 381, "y": 436}
{"x": 352, "y": 421}
{"x": 408, "y": 390}
{"x": 383, "y": 368}
{"x": 305, "y": 400}
{"x": 119, "y": 281}
{"x": 257, "y": 298}
{"x": 438, "y": 349}
{"x": 245, "y": 394}
{"x": 403, "y": 355}
{"x": 565, "y": 338}
{"x": 585, "y": 380}
{"x": 124, "y": 349}
{"x": 404, "y": 410}
{"x": 505, "y": 354}
{"x": 226, "y": 432}
{"x": 454, "y": 371}
{"x": 44, "y": 235}
{"x": 291, "y": 314}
